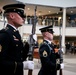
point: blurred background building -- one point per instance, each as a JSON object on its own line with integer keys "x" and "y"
{"x": 59, "y": 13}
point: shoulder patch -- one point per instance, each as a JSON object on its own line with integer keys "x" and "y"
{"x": 45, "y": 54}
{"x": 0, "y": 48}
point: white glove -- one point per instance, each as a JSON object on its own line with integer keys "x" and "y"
{"x": 35, "y": 37}
{"x": 62, "y": 50}
{"x": 28, "y": 65}
{"x": 62, "y": 66}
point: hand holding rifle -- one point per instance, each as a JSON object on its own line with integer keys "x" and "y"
{"x": 61, "y": 54}
{"x": 32, "y": 41}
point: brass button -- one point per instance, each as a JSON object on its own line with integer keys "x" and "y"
{"x": 21, "y": 58}
{"x": 16, "y": 45}
{"x": 14, "y": 30}
{"x": 21, "y": 51}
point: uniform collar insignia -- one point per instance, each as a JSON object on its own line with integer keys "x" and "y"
{"x": 45, "y": 54}
{"x": 44, "y": 42}
{"x": 0, "y": 48}
{"x": 14, "y": 30}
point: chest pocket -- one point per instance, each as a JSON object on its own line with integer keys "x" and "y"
{"x": 16, "y": 41}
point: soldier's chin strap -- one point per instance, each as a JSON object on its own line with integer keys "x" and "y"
{"x": 33, "y": 39}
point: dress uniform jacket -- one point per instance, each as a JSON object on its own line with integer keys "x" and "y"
{"x": 48, "y": 59}
{"x": 12, "y": 52}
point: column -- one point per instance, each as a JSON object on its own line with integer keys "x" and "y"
{"x": 63, "y": 29}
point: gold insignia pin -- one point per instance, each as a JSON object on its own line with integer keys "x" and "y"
{"x": 45, "y": 54}
{"x": 14, "y": 37}
{"x": 0, "y": 48}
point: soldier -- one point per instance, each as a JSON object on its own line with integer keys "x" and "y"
{"x": 68, "y": 46}
{"x": 47, "y": 53}
{"x": 13, "y": 53}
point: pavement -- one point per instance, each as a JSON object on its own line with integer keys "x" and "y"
{"x": 69, "y": 65}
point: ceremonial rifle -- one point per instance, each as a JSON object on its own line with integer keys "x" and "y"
{"x": 32, "y": 41}
{"x": 60, "y": 51}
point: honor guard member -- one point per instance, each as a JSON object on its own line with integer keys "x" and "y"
{"x": 13, "y": 53}
{"x": 47, "y": 53}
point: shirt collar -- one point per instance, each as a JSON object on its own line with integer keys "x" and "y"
{"x": 13, "y": 26}
{"x": 48, "y": 41}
